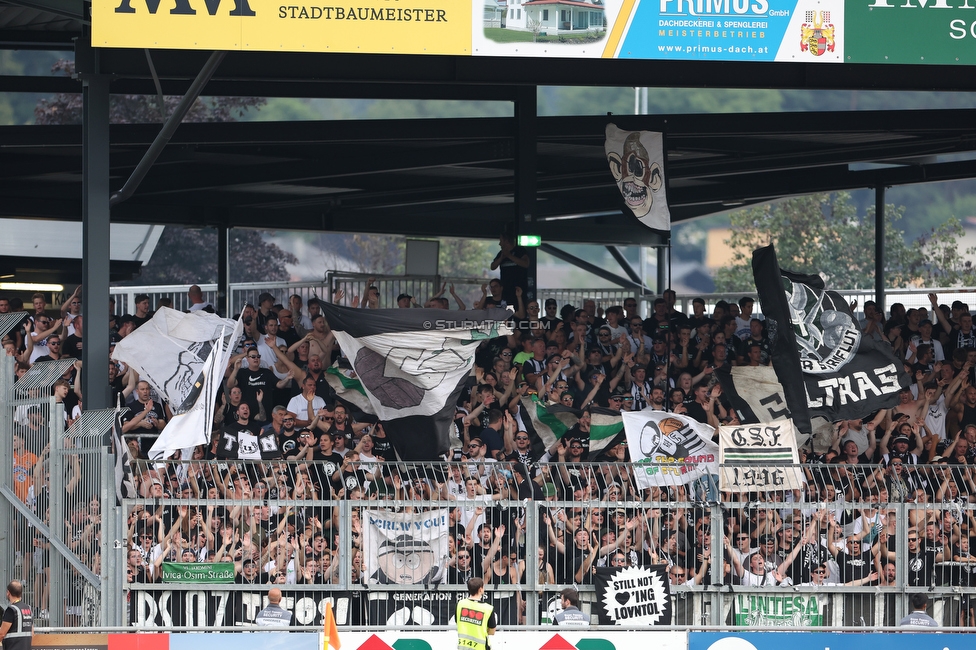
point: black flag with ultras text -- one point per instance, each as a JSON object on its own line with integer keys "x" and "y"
{"x": 824, "y": 363}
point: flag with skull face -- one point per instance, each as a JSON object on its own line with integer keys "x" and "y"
{"x": 636, "y": 160}
{"x": 825, "y": 365}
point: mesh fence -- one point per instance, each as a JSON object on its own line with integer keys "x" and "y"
{"x": 394, "y": 543}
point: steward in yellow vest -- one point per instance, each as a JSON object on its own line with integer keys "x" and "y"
{"x": 476, "y": 620}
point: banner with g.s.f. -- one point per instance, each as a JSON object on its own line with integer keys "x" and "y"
{"x": 814, "y": 336}
{"x": 633, "y": 596}
{"x": 668, "y": 448}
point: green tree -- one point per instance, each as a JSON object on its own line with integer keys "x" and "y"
{"x": 466, "y": 258}
{"x": 942, "y": 265}
{"x": 379, "y": 254}
{"x": 822, "y": 233}
{"x": 189, "y": 256}
{"x": 65, "y": 108}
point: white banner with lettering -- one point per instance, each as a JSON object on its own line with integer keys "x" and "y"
{"x": 759, "y": 457}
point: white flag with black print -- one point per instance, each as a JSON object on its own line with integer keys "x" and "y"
{"x": 192, "y": 427}
{"x": 166, "y": 352}
{"x": 637, "y": 162}
{"x": 171, "y": 349}
{"x": 669, "y": 449}
{"x": 413, "y": 363}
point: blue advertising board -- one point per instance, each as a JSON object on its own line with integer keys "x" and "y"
{"x": 827, "y": 641}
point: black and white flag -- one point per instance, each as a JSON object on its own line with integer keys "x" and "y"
{"x": 413, "y": 363}
{"x": 124, "y": 486}
{"x": 183, "y": 356}
{"x": 825, "y": 365}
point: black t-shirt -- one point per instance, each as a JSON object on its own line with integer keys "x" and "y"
{"x": 854, "y": 567}
{"x": 919, "y": 570}
{"x": 325, "y": 466}
{"x": 383, "y": 447}
{"x": 156, "y": 413}
{"x": 72, "y": 346}
{"x": 250, "y": 382}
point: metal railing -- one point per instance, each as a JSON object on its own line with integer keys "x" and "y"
{"x": 469, "y": 289}
{"x": 50, "y": 498}
{"x": 264, "y": 511}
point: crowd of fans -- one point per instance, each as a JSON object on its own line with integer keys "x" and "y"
{"x": 281, "y": 433}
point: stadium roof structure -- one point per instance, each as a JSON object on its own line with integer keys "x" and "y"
{"x": 456, "y": 177}
{"x": 461, "y": 177}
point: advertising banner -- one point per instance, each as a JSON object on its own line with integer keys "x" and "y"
{"x": 761, "y": 610}
{"x": 834, "y": 641}
{"x": 911, "y": 31}
{"x": 799, "y": 31}
{"x": 210, "y": 573}
{"x": 715, "y": 30}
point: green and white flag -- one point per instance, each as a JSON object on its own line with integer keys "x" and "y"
{"x": 348, "y": 388}
{"x": 552, "y": 422}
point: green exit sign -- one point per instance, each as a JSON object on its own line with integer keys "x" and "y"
{"x": 530, "y": 240}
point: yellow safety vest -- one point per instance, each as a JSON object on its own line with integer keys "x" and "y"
{"x": 472, "y": 624}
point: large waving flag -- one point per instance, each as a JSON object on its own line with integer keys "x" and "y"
{"x": 171, "y": 349}
{"x": 412, "y": 364}
{"x": 825, "y": 365}
{"x": 166, "y": 352}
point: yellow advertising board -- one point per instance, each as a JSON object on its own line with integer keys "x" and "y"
{"x": 367, "y": 26}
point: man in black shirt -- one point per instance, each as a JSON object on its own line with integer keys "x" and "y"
{"x": 18, "y": 623}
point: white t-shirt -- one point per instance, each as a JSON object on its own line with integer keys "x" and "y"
{"x": 935, "y": 418}
{"x": 268, "y": 357}
{"x": 299, "y": 406}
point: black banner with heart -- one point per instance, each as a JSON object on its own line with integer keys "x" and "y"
{"x": 638, "y": 595}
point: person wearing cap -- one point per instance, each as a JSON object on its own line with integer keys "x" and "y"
{"x": 898, "y": 440}
{"x": 405, "y": 301}
{"x": 570, "y": 616}
{"x": 616, "y": 400}
{"x": 640, "y": 386}
{"x": 476, "y": 620}
{"x": 534, "y": 366}
{"x": 248, "y": 573}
